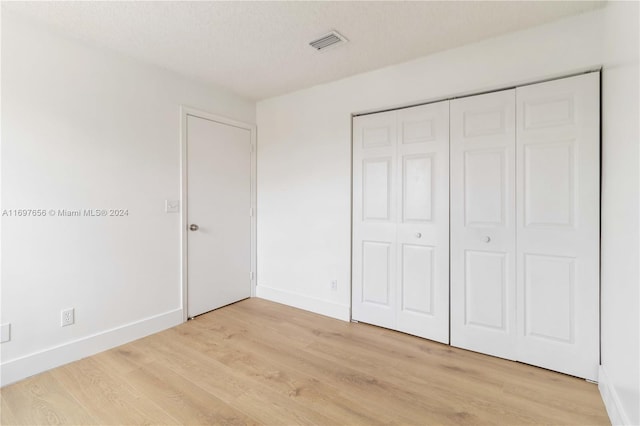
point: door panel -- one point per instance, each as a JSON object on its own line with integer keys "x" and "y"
{"x": 401, "y": 220}
{"x": 483, "y": 223}
{"x": 417, "y": 279}
{"x": 558, "y": 187}
{"x": 378, "y": 136}
{"x": 484, "y": 121}
{"x": 376, "y": 188}
{"x": 548, "y": 293}
{"x": 485, "y": 289}
{"x": 376, "y": 266}
{"x": 423, "y": 226}
{"x": 548, "y": 111}
{"x": 484, "y": 188}
{"x": 549, "y": 184}
{"x": 417, "y": 179}
{"x": 219, "y": 199}
{"x": 374, "y": 217}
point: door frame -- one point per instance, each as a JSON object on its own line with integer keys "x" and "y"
{"x": 186, "y": 111}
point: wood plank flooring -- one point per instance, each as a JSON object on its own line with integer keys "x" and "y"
{"x": 258, "y": 362}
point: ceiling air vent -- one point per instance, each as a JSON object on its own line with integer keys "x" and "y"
{"x": 328, "y": 40}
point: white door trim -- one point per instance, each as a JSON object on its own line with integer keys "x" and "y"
{"x": 188, "y": 111}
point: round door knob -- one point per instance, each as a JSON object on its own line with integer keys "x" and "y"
{"x": 418, "y": 235}
{"x": 194, "y": 227}
{"x": 487, "y": 239}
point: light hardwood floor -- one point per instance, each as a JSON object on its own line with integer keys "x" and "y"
{"x": 258, "y": 362}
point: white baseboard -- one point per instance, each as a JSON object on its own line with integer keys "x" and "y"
{"x": 28, "y": 365}
{"x": 322, "y": 307}
{"x": 611, "y": 400}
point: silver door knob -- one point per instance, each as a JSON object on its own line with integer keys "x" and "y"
{"x": 418, "y": 235}
{"x": 194, "y": 227}
{"x": 487, "y": 239}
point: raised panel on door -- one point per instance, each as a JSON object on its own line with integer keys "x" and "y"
{"x": 484, "y": 187}
{"x": 423, "y": 221}
{"x": 376, "y": 273}
{"x": 549, "y": 286}
{"x": 417, "y": 279}
{"x": 374, "y": 219}
{"x": 483, "y": 304}
{"x": 376, "y": 190}
{"x": 558, "y": 187}
{"x": 417, "y": 187}
{"x": 549, "y": 184}
{"x": 485, "y": 290}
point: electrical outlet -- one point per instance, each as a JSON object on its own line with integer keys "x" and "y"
{"x": 68, "y": 317}
{"x": 5, "y": 332}
{"x": 334, "y": 285}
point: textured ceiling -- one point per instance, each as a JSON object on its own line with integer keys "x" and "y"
{"x": 260, "y": 49}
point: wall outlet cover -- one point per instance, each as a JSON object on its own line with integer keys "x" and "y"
{"x": 67, "y": 317}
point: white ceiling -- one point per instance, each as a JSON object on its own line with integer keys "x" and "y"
{"x": 260, "y": 49}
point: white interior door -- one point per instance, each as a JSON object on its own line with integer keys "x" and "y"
{"x": 483, "y": 268}
{"x": 558, "y": 187}
{"x": 422, "y": 167}
{"x": 218, "y": 212}
{"x": 401, "y": 220}
{"x": 374, "y": 219}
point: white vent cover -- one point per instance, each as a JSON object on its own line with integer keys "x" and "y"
{"x": 328, "y": 40}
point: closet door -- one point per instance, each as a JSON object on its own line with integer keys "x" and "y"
{"x": 401, "y": 220}
{"x": 423, "y": 221}
{"x": 558, "y": 187}
{"x": 374, "y": 219}
{"x": 483, "y": 268}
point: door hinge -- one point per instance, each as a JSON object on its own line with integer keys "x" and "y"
{"x": 253, "y": 148}
{"x": 251, "y": 275}
{"x": 251, "y": 212}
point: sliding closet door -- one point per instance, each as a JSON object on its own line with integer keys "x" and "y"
{"x": 401, "y": 220}
{"x": 558, "y": 187}
{"x": 423, "y": 221}
{"x": 483, "y": 267}
{"x": 374, "y": 219}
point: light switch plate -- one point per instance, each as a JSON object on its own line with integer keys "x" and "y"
{"x": 5, "y": 333}
{"x": 172, "y": 206}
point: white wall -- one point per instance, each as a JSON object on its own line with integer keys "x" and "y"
{"x": 304, "y": 148}
{"x": 620, "y": 371}
{"x": 84, "y": 128}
